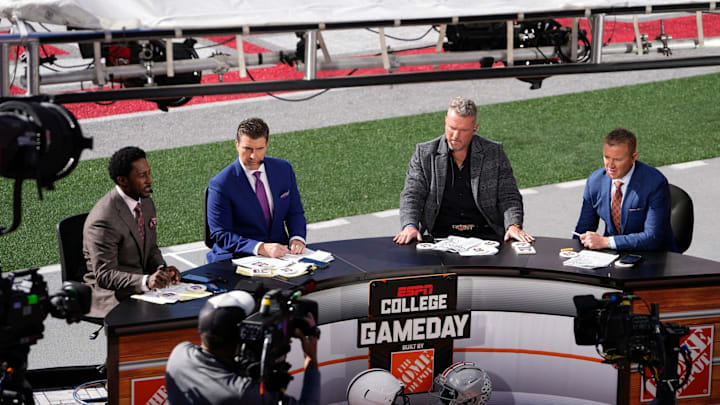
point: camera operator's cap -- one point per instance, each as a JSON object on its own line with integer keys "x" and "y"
{"x": 221, "y": 314}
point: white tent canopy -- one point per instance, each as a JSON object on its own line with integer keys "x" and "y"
{"x": 157, "y": 14}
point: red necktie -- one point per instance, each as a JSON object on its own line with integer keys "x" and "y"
{"x": 616, "y": 206}
{"x": 140, "y": 223}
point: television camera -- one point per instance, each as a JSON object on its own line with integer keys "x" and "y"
{"x": 626, "y": 337}
{"x": 266, "y": 334}
{"x": 24, "y": 305}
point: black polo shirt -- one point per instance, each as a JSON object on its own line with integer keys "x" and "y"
{"x": 458, "y": 205}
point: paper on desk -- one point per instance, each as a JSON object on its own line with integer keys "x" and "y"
{"x": 457, "y": 244}
{"x": 588, "y": 259}
{"x": 465, "y": 246}
{"x": 259, "y": 266}
{"x": 174, "y": 293}
{"x": 319, "y": 255}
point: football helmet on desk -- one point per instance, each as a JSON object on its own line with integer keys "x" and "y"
{"x": 376, "y": 387}
{"x": 463, "y": 383}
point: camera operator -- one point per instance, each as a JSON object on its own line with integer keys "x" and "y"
{"x": 211, "y": 373}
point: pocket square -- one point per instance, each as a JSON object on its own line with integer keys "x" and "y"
{"x": 285, "y": 194}
{"x": 636, "y": 209}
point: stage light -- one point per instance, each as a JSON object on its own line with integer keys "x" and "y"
{"x": 40, "y": 141}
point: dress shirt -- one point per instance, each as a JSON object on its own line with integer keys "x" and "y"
{"x": 131, "y": 206}
{"x": 253, "y": 181}
{"x": 625, "y": 181}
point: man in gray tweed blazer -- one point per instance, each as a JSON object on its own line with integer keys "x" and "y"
{"x": 461, "y": 184}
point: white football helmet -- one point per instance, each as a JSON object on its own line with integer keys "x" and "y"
{"x": 374, "y": 387}
{"x": 463, "y": 383}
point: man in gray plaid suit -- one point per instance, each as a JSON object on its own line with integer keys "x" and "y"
{"x": 461, "y": 184}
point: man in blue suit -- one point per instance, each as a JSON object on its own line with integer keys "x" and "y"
{"x": 632, "y": 198}
{"x": 253, "y": 205}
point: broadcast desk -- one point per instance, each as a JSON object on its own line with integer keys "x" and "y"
{"x": 522, "y": 313}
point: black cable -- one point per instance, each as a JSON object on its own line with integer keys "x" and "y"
{"x": 402, "y": 39}
{"x": 321, "y": 92}
{"x": 613, "y": 31}
{"x": 542, "y": 53}
{"x": 46, "y": 28}
{"x": 85, "y": 65}
{"x": 218, "y": 44}
{"x": 688, "y": 367}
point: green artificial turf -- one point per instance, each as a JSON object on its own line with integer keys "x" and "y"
{"x": 360, "y": 168}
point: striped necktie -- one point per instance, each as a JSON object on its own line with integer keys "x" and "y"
{"x": 616, "y": 207}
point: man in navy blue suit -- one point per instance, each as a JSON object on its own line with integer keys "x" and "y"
{"x": 253, "y": 205}
{"x": 632, "y": 198}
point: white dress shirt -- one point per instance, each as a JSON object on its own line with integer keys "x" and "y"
{"x": 253, "y": 181}
{"x": 625, "y": 180}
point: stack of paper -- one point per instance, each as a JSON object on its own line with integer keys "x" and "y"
{"x": 588, "y": 259}
{"x": 174, "y": 293}
{"x": 287, "y": 266}
{"x": 463, "y": 246}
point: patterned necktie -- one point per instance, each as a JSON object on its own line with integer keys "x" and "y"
{"x": 262, "y": 197}
{"x": 140, "y": 223}
{"x": 616, "y": 206}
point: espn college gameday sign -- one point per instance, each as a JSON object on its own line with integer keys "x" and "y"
{"x": 411, "y": 325}
{"x": 700, "y": 346}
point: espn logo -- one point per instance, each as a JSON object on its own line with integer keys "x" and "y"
{"x": 413, "y": 290}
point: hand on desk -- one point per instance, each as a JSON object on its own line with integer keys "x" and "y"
{"x": 297, "y": 246}
{"x": 163, "y": 277}
{"x": 592, "y": 240}
{"x": 515, "y": 232}
{"x": 407, "y": 235}
{"x": 273, "y": 250}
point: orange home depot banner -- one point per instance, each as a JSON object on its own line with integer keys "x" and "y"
{"x": 148, "y": 391}
{"x": 700, "y": 346}
{"x": 414, "y": 368}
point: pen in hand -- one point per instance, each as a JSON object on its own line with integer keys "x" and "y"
{"x": 172, "y": 278}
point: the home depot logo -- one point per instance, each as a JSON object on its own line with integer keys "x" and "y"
{"x": 414, "y": 368}
{"x": 700, "y": 347}
{"x": 149, "y": 391}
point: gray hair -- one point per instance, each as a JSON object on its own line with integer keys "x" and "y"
{"x": 463, "y": 107}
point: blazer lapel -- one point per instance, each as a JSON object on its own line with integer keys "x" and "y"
{"x": 605, "y": 199}
{"x": 630, "y": 200}
{"x": 476, "y": 162}
{"x": 129, "y": 220}
{"x": 441, "y": 163}
{"x": 146, "y": 218}
{"x": 275, "y": 179}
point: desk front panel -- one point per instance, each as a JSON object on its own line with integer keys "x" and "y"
{"x": 693, "y": 306}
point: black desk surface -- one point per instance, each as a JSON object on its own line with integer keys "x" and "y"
{"x": 366, "y": 259}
